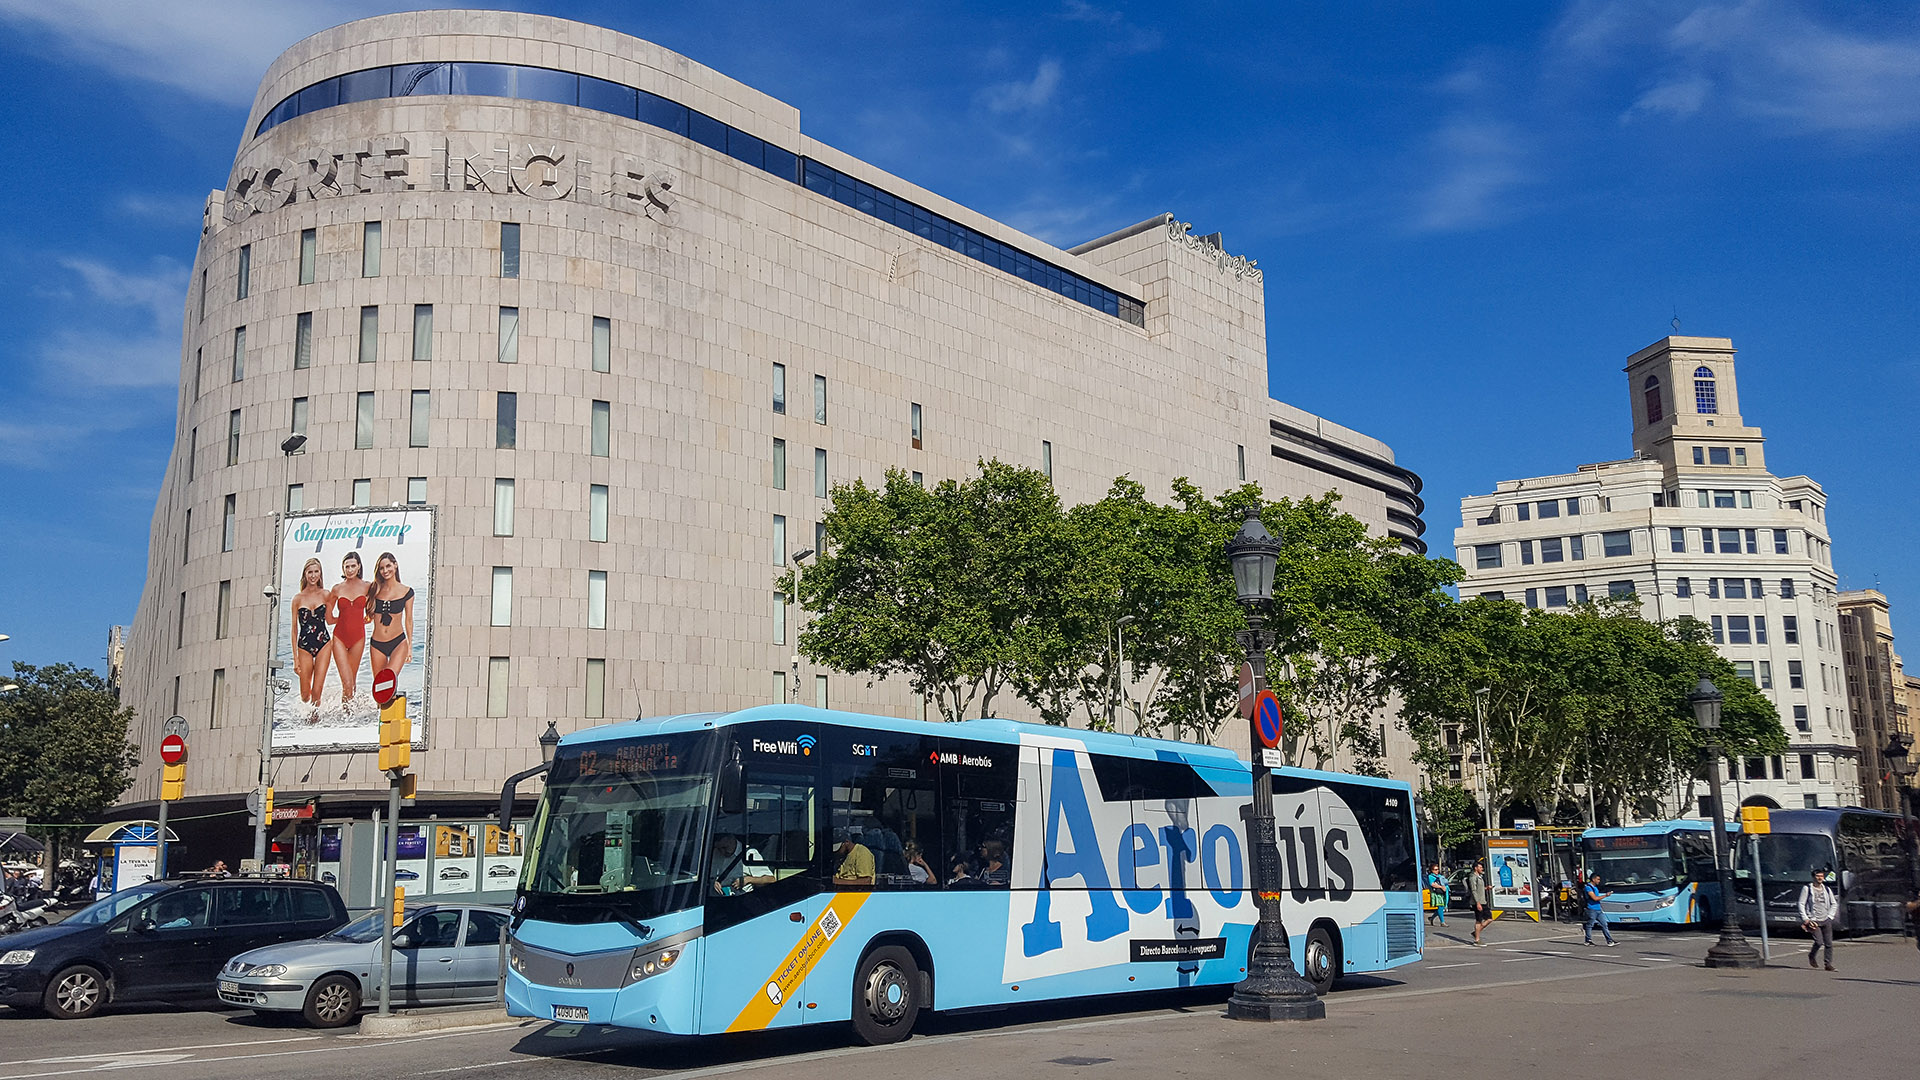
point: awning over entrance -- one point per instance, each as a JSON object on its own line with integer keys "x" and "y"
{"x": 128, "y": 832}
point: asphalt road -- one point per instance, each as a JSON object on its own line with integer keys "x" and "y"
{"x": 1535, "y": 999}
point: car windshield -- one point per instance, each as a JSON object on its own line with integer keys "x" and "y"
{"x": 363, "y": 929}
{"x": 110, "y": 907}
{"x": 621, "y": 831}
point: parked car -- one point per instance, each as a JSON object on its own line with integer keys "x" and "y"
{"x": 443, "y": 953}
{"x": 163, "y": 940}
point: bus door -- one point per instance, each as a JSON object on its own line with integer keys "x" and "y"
{"x": 765, "y": 889}
{"x": 1345, "y": 865}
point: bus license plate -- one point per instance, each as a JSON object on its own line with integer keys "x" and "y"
{"x": 573, "y": 1013}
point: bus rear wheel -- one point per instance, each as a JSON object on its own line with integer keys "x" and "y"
{"x": 886, "y": 996}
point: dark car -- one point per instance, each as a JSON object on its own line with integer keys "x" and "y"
{"x": 162, "y": 940}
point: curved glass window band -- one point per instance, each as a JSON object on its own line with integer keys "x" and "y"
{"x": 585, "y": 91}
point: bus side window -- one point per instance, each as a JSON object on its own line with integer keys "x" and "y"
{"x": 980, "y": 784}
{"x": 885, "y": 794}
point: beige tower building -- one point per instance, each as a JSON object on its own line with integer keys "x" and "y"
{"x": 623, "y": 324}
{"x": 1876, "y": 690}
{"x": 1693, "y": 524}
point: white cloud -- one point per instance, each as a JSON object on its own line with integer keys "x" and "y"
{"x": 1681, "y": 97}
{"x": 160, "y": 290}
{"x": 211, "y": 50}
{"x": 112, "y": 361}
{"x": 1476, "y": 163}
{"x": 1024, "y": 95}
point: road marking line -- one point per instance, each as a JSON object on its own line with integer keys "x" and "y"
{"x": 335, "y": 1045}
{"x": 163, "y": 1050}
{"x": 482, "y": 1065}
{"x": 1441, "y": 967}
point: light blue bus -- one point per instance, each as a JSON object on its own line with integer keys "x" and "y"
{"x": 783, "y": 865}
{"x": 1661, "y": 872}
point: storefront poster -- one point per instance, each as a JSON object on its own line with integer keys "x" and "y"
{"x": 502, "y": 859}
{"x": 133, "y": 864}
{"x": 411, "y": 869}
{"x": 1510, "y": 868}
{"x": 328, "y": 864}
{"x": 455, "y": 867}
{"x": 356, "y": 597}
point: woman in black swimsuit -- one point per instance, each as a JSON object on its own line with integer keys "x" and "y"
{"x": 390, "y": 610}
{"x": 310, "y": 635}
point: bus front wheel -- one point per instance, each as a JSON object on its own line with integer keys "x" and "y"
{"x": 1321, "y": 962}
{"x": 886, "y": 996}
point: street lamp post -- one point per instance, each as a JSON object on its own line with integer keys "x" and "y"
{"x": 1272, "y": 990}
{"x": 1119, "y": 674}
{"x": 793, "y": 598}
{"x": 1732, "y": 950}
{"x": 1480, "y": 698}
{"x": 1901, "y": 764}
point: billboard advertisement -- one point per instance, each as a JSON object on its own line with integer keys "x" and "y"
{"x": 1510, "y": 865}
{"x": 356, "y": 597}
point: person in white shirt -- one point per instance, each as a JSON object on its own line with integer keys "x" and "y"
{"x": 1819, "y": 908}
{"x": 737, "y": 868}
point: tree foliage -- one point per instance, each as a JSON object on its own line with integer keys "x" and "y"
{"x": 64, "y": 752}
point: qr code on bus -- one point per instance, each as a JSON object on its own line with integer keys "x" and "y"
{"x": 829, "y": 924}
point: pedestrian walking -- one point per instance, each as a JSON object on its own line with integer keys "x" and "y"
{"x": 1437, "y": 885}
{"x": 1818, "y": 910}
{"x": 1596, "y": 911}
{"x": 1482, "y": 911}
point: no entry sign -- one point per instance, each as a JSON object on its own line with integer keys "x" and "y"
{"x": 383, "y": 683}
{"x": 173, "y": 750}
{"x": 1266, "y": 716}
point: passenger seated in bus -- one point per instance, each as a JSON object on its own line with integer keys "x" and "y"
{"x": 962, "y": 876}
{"x": 736, "y": 867}
{"x": 993, "y": 865}
{"x": 917, "y": 867}
{"x": 856, "y": 861}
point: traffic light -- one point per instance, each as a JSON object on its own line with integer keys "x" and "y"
{"x": 266, "y": 806}
{"x": 1755, "y": 820}
{"x": 173, "y": 781}
{"x": 396, "y": 735}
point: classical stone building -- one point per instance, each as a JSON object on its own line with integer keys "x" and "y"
{"x": 1694, "y": 523}
{"x": 1876, "y": 690}
{"x": 623, "y": 324}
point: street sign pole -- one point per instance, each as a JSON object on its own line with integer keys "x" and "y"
{"x": 1760, "y": 897}
{"x": 392, "y": 876}
{"x": 173, "y": 749}
{"x": 160, "y": 855}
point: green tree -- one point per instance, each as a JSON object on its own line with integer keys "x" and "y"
{"x": 1455, "y": 813}
{"x": 958, "y": 588}
{"x": 64, "y": 752}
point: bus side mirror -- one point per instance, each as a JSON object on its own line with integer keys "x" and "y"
{"x": 733, "y": 784}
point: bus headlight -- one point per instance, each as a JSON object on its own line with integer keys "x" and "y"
{"x": 517, "y": 962}
{"x": 653, "y": 963}
{"x": 1666, "y": 901}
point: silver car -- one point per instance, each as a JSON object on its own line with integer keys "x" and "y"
{"x": 443, "y": 953}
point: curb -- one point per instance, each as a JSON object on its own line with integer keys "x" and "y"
{"x": 415, "y": 1021}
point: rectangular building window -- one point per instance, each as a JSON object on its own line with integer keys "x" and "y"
{"x": 1620, "y": 590}
{"x": 1576, "y": 548}
{"x": 919, "y": 479}
{"x": 1486, "y": 556}
{"x": 1699, "y": 455}
{"x": 363, "y": 491}
{"x": 779, "y": 539}
{"x": 1549, "y": 509}
{"x": 509, "y": 335}
{"x": 1719, "y": 630}
{"x": 502, "y": 596}
{"x": 296, "y": 498}
{"x": 1752, "y": 540}
{"x": 176, "y": 695}
{"x": 1706, "y": 541}
{"x": 779, "y": 617}
{"x": 416, "y": 491}
{"x": 1759, "y": 629}
{"x": 780, "y": 388}
{"x": 596, "y": 599}
{"x": 597, "y": 513}
{"x": 820, "y": 537}
{"x": 229, "y": 520}
{"x": 1744, "y": 669}
{"x": 369, "y": 334}
{"x": 186, "y": 537}
{"x": 1738, "y": 630}
{"x": 1736, "y": 588}
{"x": 243, "y": 278}
{"x": 1806, "y": 770}
{"x": 363, "y": 420}
{"x": 506, "y": 423}
{"x": 193, "y": 453}
{"x": 601, "y": 437}
{"x": 819, "y": 399}
{"x": 303, "y": 341}
{"x": 1801, "y": 721}
{"x": 1579, "y": 594}
{"x": 1526, "y": 553}
{"x": 198, "y": 366}
{"x": 1790, "y": 628}
{"x": 309, "y": 248}
{"x": 1241, "y": 453}
{"x": 509, "y": 249}
{"x": 1706, "y": 498}
{"x": 1755, "y": 587}
{"x": 200, "y": 304}
{"x": 217, "y": 701}
{"x": 1683, "y": 587}
{"x": 596, "y": 689}
{"x": 239, "y": 353}
{"x": 1729, "y": 541}
{"x": 1551, "y": 550}
{"x": 233, "y": 437}
{"x": 914, "y": 417}
{"x": 1533, "y": 598}
{"x": 420, "y": 418}
{"x": 1717, "y": 455}
{"x": 1739, "y": 455}
{"x": 1746, "y": 500}
{"x": 503, "y": 506}
{"x": 1046, "y": 458}
{"x": 1713, "y": 588}
{"x": 223, "y": 612}
{"x": 1796, "y": 675}
{"x": 1677, "y": 540}
{"x": 1556, "y": 596}
{"x": 497, "y": 670}
{"x": 1573, "y": 507}
{"x": 602, "y": 344}
{"x": 819, "y": 473}
{"x": 779, "y": 688}
{"x": 1779, "y": 541}
{"x": 423, "y": 332}
{"x": 1786, "y": 588}
{"x": 370, "y": 250}
{"x": 780, "y": 464}
{"x": 820, "y": 700}
{"x": 1616, "y": 544}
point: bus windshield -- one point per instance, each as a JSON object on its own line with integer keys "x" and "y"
{"x": 620, "y": 835}
{"x": 1632, "y": 863}
{"x": 1790, "y": 856}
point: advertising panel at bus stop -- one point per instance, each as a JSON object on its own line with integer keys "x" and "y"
{"x": 1510, "y": 872}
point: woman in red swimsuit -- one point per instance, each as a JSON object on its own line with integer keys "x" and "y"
{"x": 390, "y": 614}
{"x": 348, "y": 603}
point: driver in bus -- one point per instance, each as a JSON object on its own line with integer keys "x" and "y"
{"x": 737, "y": 868}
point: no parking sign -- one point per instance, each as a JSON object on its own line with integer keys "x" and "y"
{"x": 1266, "y": 718}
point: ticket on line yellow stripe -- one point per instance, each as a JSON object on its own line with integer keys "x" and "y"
{"x": 786, "y": 979}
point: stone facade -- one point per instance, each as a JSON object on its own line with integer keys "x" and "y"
{"x": 709, "y": 272}
{"x": 1694, "y": 525}
{"x": 1876, "y": 691}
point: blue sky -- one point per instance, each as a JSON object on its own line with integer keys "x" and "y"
{"x": 1469, "y": 215}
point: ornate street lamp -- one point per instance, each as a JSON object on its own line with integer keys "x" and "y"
{"x": 1732, "y": 950}
{"x": 549, "y": 740}
{"x": 1901, "y": 764}
{"x": 1272, "y": 990}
